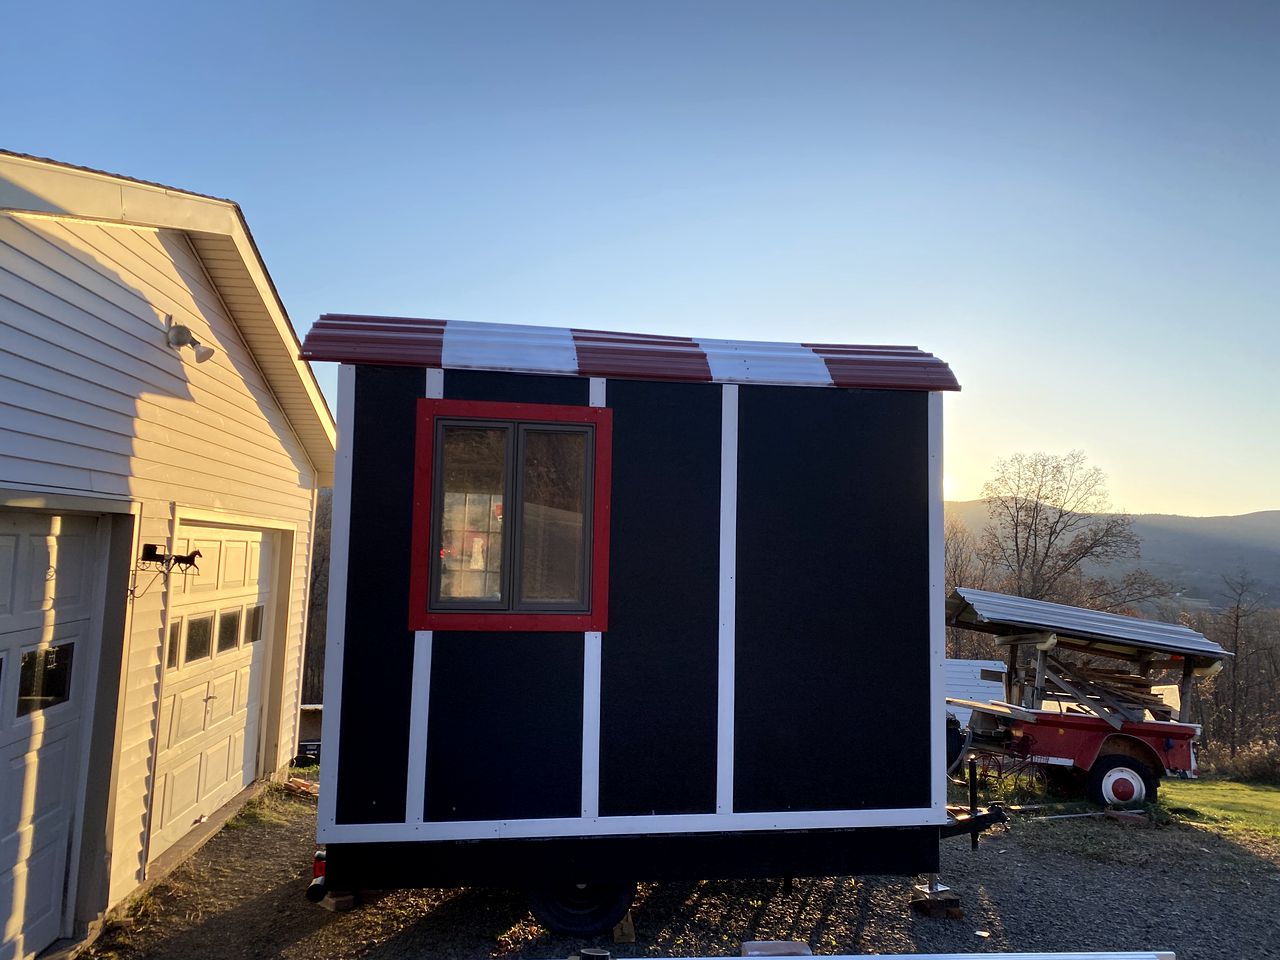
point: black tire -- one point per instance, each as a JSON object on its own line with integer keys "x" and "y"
{"x": 581, "y": 909}
{"x": 1117, "y": 780}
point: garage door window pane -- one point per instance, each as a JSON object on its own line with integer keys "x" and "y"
{"x": 553, "y": 517}
{"x": 175, "y": 634}
{"x": 199, "y": 638}
{"x": 229, "y": 629}
{"x": 473, "y": 470}
{"x": 44, "y": 678}
{"x": 253, "y": 625}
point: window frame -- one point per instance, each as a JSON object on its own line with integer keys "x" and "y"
{"x": 426, "y": 490}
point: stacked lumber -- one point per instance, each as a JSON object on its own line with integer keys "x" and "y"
{"x": 299, "y": 785}
{"x": 1126, "y": 686}
{"x": 1112, "y": 691}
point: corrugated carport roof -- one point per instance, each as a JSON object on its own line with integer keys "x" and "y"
{"x": 1005, "y": 615}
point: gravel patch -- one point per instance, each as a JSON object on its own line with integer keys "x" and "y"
{"x": 1089, "y": 884}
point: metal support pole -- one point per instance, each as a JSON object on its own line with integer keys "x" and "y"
{"x": 973, "y": 797}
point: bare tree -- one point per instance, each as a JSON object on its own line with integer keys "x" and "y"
{"x": 964, "y": 567}
{"x": 1048, "y": 519}
{"x": 318, "y": 602}
{"x": 1239, "y": 675}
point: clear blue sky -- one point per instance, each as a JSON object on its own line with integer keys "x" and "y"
{"x": 1076, "y": 204}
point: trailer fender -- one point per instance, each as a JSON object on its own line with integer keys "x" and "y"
{"x": 1119, "y": 743}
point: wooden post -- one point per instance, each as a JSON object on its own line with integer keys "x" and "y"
{"x": 1037, "y": 694}
{"x": 1184, "y": 689}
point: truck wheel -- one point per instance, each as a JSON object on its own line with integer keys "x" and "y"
{"x": 581, "y": 909}
{"x": 1117, "y": 780}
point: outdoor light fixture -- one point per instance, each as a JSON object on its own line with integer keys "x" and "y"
{"x": 180, "y": 335}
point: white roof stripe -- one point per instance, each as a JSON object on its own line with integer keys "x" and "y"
{"x": 508, "y": 346}
{"x": 746, "y": 361}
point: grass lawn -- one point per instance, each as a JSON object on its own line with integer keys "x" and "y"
{"x": 1224, "y": 802}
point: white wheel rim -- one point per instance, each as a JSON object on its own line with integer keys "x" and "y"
{"x": 1123, "y": 785}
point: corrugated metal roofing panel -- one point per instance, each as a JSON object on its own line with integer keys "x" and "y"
{"x": 457, "y": 344}
{"x": 1001, "y": 613}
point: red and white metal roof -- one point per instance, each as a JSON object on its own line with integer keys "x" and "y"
{"x": 464, "y": 345}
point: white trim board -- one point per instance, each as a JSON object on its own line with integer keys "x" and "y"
{"x": 1070, "y": 955}
{"x": 415, "y": 794}
{"x": 592, "y": 656}
{"x": 329, "y": 832}
{"x": 937, "y": 613}
{"x": 340, "y": 540}
{"x": 726, "y": 669}
{"x": 592, "y": 667}
{"x": 415, "y": 798}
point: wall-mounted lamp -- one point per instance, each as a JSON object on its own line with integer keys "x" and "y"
{"x": 180, "y": 335}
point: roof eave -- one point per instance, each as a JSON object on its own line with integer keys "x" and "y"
{"x": 35, "y": 185}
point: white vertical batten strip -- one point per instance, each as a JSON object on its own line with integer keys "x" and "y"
{"x": 592, "y": 654}
{"x": 415, "y": 795}
{"x": 728, "y": 595}
{"x": 937, "y": 610}
{"x": 340, "y": 537}
{"x": 435, "y": 383}
{"x": 592, "y": 648}
{"x": 595, "y": 391}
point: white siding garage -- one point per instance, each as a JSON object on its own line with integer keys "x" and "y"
{"x": 217, "y": 658}
{"x": 48, "y": 596}
{"x": 107, "y": 426}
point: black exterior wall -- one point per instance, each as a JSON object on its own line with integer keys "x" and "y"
{"x": 901, "y": 851}
{"x": 660, "y": 654}
{"x": 504, "y": 731}
{"x": 832, "y": 707}
{"x": 377, "y": 659}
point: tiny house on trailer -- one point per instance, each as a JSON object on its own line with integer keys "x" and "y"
{"x": 607, "y": 607}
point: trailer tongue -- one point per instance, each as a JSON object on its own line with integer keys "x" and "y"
{"x": 1078, "y": 693}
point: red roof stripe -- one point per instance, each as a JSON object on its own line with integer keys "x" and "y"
{"x": 640, "y": 357}
{"x": 393, "y": 341}
{"x": 886, "y": 368}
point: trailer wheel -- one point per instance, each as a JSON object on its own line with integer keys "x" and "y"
{"x": 581, "y": 909}
{"x": 1117, "y": 780}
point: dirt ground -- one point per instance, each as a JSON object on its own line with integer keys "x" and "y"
{"x": 1083, "y": 884}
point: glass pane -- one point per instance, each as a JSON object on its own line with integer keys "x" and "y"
{"x": 473, "y": 467}
{"x": 44, "y": 678}
{"x": 553, "y": 521}
{"x": 199, "y": 637}
{"x": 229, "y": 629}
{"x": 175, "y": 634}
{"x": 253, "y": 626}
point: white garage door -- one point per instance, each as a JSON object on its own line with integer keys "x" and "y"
{"x": 49, "y": 566}
{"x": 216, "y": 662}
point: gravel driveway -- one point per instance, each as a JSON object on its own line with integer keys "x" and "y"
{"x": 1051, "y": 885}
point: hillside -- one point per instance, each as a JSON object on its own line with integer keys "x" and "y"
{"x": 1192, "y": 553}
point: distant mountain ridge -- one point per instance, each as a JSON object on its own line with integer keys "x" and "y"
{"x": 1192, "y": 553}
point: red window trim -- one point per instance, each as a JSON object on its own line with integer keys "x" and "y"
{"x": 421, "y": 617}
